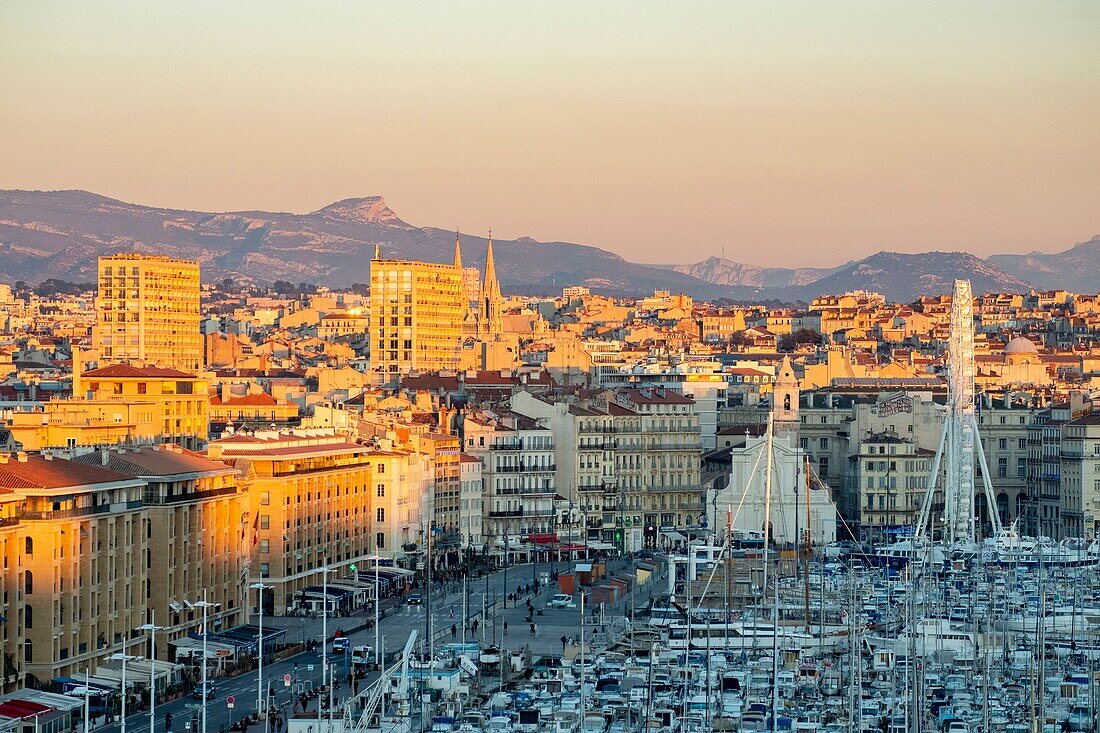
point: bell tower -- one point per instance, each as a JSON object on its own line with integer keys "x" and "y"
{"x": 785, "y": 398}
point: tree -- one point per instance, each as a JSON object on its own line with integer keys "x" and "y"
{"x": 807, "y": 336}
{"x": 786, "y": 342}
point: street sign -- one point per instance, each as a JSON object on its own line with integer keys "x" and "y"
{"x": 309, "y": 667}
{"x": 229, "y": 702}
{"x": 286, "y": 680}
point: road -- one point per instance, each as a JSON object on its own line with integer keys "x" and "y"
{"x": 394, "y": 631}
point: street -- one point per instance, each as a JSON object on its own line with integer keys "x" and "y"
{"x": 394, "y": 630}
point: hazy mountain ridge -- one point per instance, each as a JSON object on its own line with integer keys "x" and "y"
{"x": 721, "y": 271}
{"x": 59, "y": 234}
{"x": 1077, "y": 268}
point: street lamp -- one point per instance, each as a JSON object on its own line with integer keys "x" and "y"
{"x": 114, "y": 658}
{"x": 260, "y": 588}
{"x": 152, "y": 629}
{"x": 204, "y": 604}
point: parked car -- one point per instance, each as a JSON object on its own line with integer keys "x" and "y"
{"x": 561, "y": 600}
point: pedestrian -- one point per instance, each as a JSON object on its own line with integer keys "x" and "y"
{"x": 564, "y": 641}
{"x": 454, "y": 631}
{"x": 532, "y": 629}
{"x": 506, "y": 628}
{"x": 168, "y": 721}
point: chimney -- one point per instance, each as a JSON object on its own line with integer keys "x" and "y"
{"x": 104, "y": 456}
{"x": 4, "y": 457}
{"x": 21, "y": 456}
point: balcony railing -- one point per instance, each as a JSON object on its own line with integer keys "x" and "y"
{"x": 192, "y": 496}
{"x": 86, "y": 511}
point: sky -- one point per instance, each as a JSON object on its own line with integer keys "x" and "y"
{"x": 776, "y": 133}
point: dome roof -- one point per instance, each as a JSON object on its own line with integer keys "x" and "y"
{"x": 1021, "y": 345}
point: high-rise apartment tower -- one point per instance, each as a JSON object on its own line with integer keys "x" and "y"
{"x": 148, "y": 310}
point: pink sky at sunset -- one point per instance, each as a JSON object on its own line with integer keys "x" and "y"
{"x": 787, "y": 133}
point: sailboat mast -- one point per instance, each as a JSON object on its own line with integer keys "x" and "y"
{"x": 808, "y": 553}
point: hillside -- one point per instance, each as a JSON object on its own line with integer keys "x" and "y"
{"x": 59, "y": 234}
{"x": 1077, "y": 268}
{"x": 905, "y": 277}
{"x": 726, "y": 272}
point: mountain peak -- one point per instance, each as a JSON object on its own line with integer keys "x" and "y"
{"x": 366, "y": 209}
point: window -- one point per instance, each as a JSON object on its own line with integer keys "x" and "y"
{"x": 265, "y": 547}
{"x": 28, "y": 546}
{"x": 1002, "y": 444}
{"x": 265, "y": 569}
{"x": 381, "y": 514}
{"x": 381, "y": 490}
{"x": 380, "y": 541}
{"x": 381, "y": 468}
{"x": 28, "y": 617}
{"x": 265, "y": 498}
{"x": 28, "y": 582}
{"x": 265, "y": 521}
{"x": 823, "y": 444}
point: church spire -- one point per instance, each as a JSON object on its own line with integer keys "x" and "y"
{"x": 491, "y": 322}
{"x": 458, "y": 253}
{"x": 378, "y": 251}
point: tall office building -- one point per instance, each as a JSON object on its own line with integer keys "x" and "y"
{"x": 417, "y": 312}
{"x": 148, "y": 309}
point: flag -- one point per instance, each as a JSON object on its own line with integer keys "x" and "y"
{"x": 256, "y": 530}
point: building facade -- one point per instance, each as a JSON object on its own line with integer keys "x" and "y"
{"x": 416, "y": 315}
{"x": 148, "y": 310}
{"x": 309, "y": 503}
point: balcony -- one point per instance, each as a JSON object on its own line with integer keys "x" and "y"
{"x": 524, "y": 468}
{"x": 192, "y": 496}
{"x": 86, "y": 511}
{"x": 543, "y": 446}
{"x": 512, "y": 513}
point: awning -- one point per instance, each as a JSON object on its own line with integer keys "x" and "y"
{"x": 673, "y": 535}
{"x": 175, "y": 606}
{"x": 601, "y": 546}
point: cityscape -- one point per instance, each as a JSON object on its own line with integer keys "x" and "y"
{"x": 336, "y": 472}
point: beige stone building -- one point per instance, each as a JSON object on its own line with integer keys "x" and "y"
{"x": 627, "y": 464}
{"x": 309, "y": 506}
{"x": 196, "y": 546}
{"x": 81, "y": 572}
{"x": 147, "y": 310}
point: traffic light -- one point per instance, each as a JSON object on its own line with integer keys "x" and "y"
{"x": 354, "y": 567}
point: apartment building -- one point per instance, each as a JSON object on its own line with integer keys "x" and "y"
{"x": 148, "y": 310}
{"x": 627, "y": 464}
{"x": 1080, "y": 454}
{"x": 309, "y": 505}
{"x": 892, "y": 475}
{"x": 416, "y": 316}
{"x": 400, "y": 486}
{"x": 194, "y": 512}
{"x": 80, "y": 569}
{"x": 518, "y": 472}
{"x": 179, "y": 401}
{"x": 12, "y": 601}
{"x": 472, "y": 504}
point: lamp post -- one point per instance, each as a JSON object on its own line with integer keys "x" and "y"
{"x": 114, "y": 658}
{"x": 204, "y": 604}
{"x": 152, "y": 629}
{"x": 260, "y": 588}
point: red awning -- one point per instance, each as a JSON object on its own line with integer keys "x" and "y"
{"x": 571, "y": 548}
{"x": 543, "y": 538}
{"x": 22, "y": 709}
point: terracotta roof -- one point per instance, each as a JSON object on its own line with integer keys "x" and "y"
{"x": 39, "y": 473}
{"x": 154, "y": 462}
{"x": 258, "y": 400}
{"x": 115, "y": 371}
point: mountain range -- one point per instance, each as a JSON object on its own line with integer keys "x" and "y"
{"x": 59, "y": 234}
